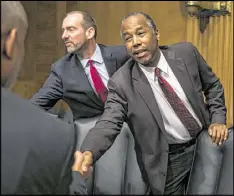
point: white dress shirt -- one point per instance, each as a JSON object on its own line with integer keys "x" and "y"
{"x": 175, "y": 130}
{"x": 99, "y": 64}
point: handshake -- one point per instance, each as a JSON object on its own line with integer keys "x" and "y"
{"x": 83, "y": 163}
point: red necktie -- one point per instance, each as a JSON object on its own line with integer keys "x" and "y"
{"x": 178, "y": 106}
{"x": 98, "y": 83}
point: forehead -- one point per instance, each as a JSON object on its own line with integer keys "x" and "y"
{"x": 72, "y": 20}
{"x": 134, "y": 22}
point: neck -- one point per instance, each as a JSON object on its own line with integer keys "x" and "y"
{"x": 88, "y": 49}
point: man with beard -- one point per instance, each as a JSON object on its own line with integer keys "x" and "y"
{"x": 159, "y": 93}
{"x": 80, "y": 77}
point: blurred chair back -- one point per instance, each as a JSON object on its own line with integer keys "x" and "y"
{"x": 117, "y": 171}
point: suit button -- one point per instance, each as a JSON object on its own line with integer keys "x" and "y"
{"x": 163, "y": 173}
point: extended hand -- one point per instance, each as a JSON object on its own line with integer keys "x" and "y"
{"x": 80, "y": 159}
{"x": 88, "y": 161}
{"x": 218, "y": 133}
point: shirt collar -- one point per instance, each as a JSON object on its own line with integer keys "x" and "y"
{"x": 97, "y": 57}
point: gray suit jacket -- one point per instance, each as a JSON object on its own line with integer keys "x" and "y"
{"x": 69, "y": 82}
{"x": 36, "y": 150}
{"x": 131, "y": 99}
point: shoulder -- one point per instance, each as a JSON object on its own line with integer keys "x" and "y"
{"x": 124, "y": 72}
{"x": 118, "y": 51}
{"x": 180, "y": 46}
{"x": 30, "y": 120}
{"x": 112, "y": 47}
{"x": 62, "y": 62}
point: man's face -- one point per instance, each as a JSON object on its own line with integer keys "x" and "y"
{"x": 140, "y": 40}
{"x": 73, "y": 33}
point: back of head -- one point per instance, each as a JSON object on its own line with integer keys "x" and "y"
{"x": 14, "y": 27}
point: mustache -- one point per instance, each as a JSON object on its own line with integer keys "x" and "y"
{"x": 68, "y": 42}
{"x": 138, "y": 51}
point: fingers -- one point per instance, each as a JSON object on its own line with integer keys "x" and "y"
{"x": 79, "y": 158}
{"x": 218, "y": 133}
{"x": 226, "y": 134}
{"x": 83, "y": 163}
{"x": 213, "y": 134}
{"x": 88, "y": 161}
{"x": 222, "y": 135}
{"x": 218, "y": 138}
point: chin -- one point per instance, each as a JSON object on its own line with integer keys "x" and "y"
{"x": 144, "y": 62}
{"x": 70, "y": 50}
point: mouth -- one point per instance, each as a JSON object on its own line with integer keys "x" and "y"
{"x": 139, "y": 53}
{"x": 68, "y": 43}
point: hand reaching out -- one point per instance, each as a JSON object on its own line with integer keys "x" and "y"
{"x": 87, "y": 162}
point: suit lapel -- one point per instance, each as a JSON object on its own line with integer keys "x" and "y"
{"x": 81, "y": 78}
{"x": 180, "y": 70}
{"x": 144, "y": 89}
{"x": 109, "y": 60}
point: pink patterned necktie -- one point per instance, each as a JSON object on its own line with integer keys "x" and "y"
{"x": 98, "y": 83}
{"x": 178, "y": 106}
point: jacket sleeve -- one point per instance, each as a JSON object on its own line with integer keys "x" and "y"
{"x": 101, "y": 137}
{"x": 50, "y": 93}
{"x": 213, "y": 91}
{"x": 78, "y": 186}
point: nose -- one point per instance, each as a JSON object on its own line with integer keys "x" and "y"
{"x": 136, "y": 42}
{"x": 64, "y": 35}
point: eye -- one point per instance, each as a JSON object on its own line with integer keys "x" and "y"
{"x": 127, "y": 39}
{"x": 71, "y": 29}
{"x": 141, "y": 33}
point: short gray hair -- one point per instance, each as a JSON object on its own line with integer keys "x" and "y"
{"x": 149, "y": 20}
{"x": 88, "y": 21}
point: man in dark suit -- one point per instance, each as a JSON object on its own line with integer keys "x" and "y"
{"x": 36, "y": 149}
{"x": 159, "y": 93}
{"x": 72, "y": 78}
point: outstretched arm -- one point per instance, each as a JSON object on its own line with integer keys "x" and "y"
{"x": 101, "y": 137}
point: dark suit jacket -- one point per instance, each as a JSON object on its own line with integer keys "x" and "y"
{"x": 36, "y": 150}
{"x": 69, "y": 82}
{"x": 131, "y": 98}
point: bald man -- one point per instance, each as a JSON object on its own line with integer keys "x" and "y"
{"x": 37, "y": 149}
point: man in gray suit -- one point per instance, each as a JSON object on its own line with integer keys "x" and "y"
{"x": 159, "y": 93}
{"x": 36, "y": 149}
{"x": 72, "y": 77}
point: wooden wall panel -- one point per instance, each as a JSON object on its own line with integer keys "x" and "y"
{"x": 167, "y": 15}
{"x": 61, "y": 8}
{"x": 216, "y": 46}
{"x": 28, "y": 69}
{"x": 71, "y": 6}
